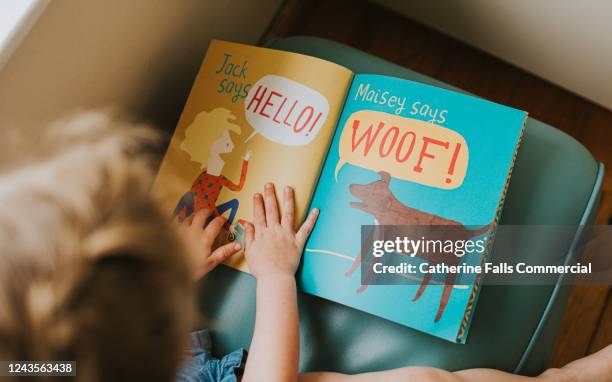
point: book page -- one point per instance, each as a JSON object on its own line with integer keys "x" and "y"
{"x": 409, "y": 154}
{"x": 254, "y": 115}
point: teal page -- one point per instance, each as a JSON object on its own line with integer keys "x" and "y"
{"x": 439, "y": 152}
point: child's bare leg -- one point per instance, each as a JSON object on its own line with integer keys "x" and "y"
{"x": 405, "y": 374}
{"x": 417, "y": 374}
{"x": 594, "y": 368}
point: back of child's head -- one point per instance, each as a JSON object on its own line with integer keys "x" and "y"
{"x": 89, "y": 270}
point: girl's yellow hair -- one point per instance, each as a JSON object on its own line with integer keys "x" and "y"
{"x": 205, "y": 129}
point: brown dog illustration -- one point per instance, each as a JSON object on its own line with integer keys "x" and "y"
{"x": 377, "y": 200}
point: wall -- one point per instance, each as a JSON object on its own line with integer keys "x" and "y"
{"x": 566, "y": 42}
{"x": 139, "y": 55}
{"x": 16, "y": 19}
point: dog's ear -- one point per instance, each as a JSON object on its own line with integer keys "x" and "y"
{"x": 384, "y": 176}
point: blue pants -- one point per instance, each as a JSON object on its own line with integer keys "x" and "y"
{"x": 187, "y": 203}
{"x": 229, "y": 205}
{"x": 203, "y": 367}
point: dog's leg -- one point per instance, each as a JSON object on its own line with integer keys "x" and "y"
{"x": 369, "y": 277}
{"x": 357, "y": 261}
{"x": 364, "y": 286}
{"x": 354, "y": 266}
{"x": 448, "y": 288}
{"x": 424, "y": 284}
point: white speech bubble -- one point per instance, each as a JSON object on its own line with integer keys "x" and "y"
{"x": 285, "y": 111}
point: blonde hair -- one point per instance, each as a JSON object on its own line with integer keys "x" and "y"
{"x": 90, "y": 270}
{"x": 206, "y": 127}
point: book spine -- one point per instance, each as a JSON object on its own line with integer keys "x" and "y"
{"x": 467, "y": 317}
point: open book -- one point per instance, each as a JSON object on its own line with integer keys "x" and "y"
{"x": 348, "y": 144}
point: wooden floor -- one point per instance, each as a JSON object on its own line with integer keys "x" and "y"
{"x": 587, "y": 325}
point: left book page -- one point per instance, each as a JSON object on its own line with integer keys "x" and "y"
{"x": 254, "y": 115}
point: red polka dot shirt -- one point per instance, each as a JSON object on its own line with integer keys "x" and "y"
{"x": 208, "y": 187}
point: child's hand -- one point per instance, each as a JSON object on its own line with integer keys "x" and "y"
{"x": 273, "y": 248}
{"x": 199, "y": 241}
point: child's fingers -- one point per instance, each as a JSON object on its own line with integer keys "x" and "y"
{"x": 288, "y": 208}
{"x": 187, "y": 221}
{"x": 250, "y": 235}
{"x": 306, "y": 228}
{"x": 271, "y": 204}
{"x": 213, "y": 229}
{"x": 259, "y": 214}
{"x": 200, "y": 218}
{"x": 223, "y": 252}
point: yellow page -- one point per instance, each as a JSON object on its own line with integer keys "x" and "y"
{"x": 254, "y": 115}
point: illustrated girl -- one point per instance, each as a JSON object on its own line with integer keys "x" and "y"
{"x": 206, "y": 139}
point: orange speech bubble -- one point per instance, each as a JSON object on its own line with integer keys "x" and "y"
{"x": 406, "y": 148}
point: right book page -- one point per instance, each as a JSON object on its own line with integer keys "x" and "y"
{"x": 403, "y": 154}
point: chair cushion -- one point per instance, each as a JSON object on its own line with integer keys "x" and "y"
{"x": 552, "y": 183}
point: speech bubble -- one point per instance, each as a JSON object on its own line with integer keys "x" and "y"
{"x": 406, "y": 148}
{"x": 285, "y": 111}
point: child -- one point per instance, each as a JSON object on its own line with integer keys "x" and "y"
{"x": 92, "y": 271}
{"x": 89, "y": 268}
